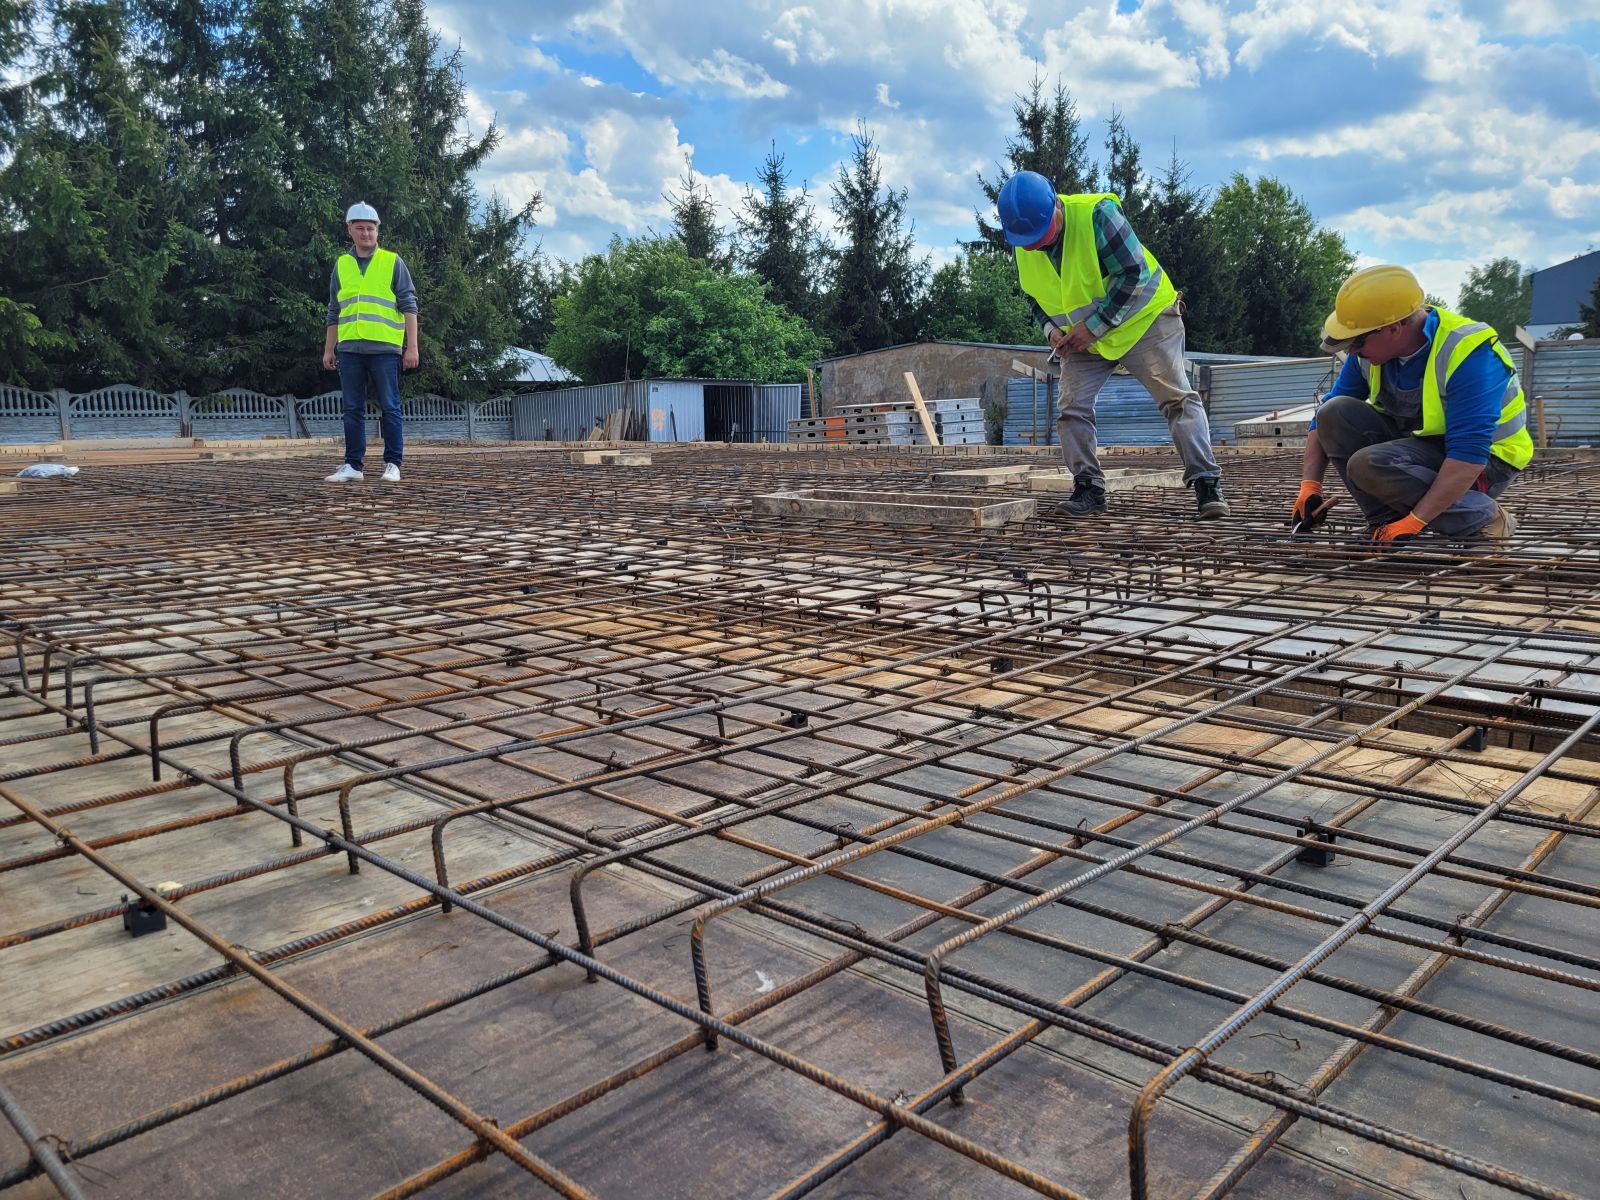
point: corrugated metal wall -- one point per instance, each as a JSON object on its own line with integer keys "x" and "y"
{"x": 676, "y": 411}
{"x": 1125, "y": 414}
{"x": 1244, "y": 391}
{"x": 568, "y": 414}
{"x": 1565, "y": 380}
{"x": 751, "y": 412}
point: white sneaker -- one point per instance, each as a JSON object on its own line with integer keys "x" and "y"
{"x": 391, "y": 473}
{"x": 346, "y": 474}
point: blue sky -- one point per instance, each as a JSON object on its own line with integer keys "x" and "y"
{"x": 1435, "y": 133}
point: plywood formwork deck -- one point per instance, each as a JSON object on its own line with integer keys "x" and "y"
{"x": 948, "y": 840}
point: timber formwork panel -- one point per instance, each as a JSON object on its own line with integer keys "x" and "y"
{"x": 528, "y": 830}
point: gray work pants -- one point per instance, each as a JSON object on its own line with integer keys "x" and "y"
{"x": 1388, "y": 471}
{"x": 1156, "y": 360}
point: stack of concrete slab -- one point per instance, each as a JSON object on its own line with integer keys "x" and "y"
{"x": 958, "y": 422}
{"x": 817, "y": 429}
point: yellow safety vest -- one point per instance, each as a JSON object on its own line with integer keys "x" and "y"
{"x": 367, "y": 310}
{"x": 1454, "y": 339}
{"x": 1072, "y": 294}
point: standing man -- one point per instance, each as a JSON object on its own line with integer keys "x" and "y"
{"x": 372, "y": 325}
{"x": 1102, "y": 299}
{"x": 1426, "y": 425}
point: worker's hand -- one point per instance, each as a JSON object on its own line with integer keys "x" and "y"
{"x": 1406, "y": 527}
{"x": 329, "y": 362}
{"x": 1072, "y": 340}
{"x": 409, "y": 359}
{"x": 1310, "y": 507}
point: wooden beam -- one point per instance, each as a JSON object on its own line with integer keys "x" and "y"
{"x": 922, "y": 409}
{"x": 1018, "y": 367}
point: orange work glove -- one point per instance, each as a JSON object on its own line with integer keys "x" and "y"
{"x": 1310, "y": 508}
{"x": 1406, "y": 526}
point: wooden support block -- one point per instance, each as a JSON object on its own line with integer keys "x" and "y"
{"x": 922, "y": 410}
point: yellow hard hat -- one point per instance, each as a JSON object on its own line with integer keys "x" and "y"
{"x": 1370, "y": 299}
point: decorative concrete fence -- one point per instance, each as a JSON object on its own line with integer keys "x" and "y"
{"x": 125, "y": 411}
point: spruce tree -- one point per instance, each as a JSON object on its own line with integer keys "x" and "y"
{"x": 1049, "y": 140}
{"x": 778, "y": 240}
{"x": 1124, "y": 176}
{"x": 694, "y": 219}
{"x": 1176, "y": 229}
{"x": 876, "y": 297}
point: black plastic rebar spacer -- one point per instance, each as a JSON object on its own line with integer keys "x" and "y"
{"x": 1320, "y": 855}
{"x": 141, "y": 917}
{"x": 1479, "y": 739}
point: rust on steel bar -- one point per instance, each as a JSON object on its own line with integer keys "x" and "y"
{"x": 423, "y": 1086}
{"x": 1168, "y": 1077}
{"x": 723, "y": 708}
{"x": 42, "y": 1152}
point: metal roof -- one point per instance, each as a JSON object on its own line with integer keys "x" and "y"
{"x": 535, "y": 367}
{"x": 1558, "y": 290}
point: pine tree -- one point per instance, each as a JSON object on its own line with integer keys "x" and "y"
{"x": 876, "y": 293}
{"x": 1176, "y": 229}
{"x": 694, "y": 219}
{"x": 91, "y": 212}
{"x": 1124, "y": 176}
{"x": 1049, "y": 140}
{"x": 778, "y": 240}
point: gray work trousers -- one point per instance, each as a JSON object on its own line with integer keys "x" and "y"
{"x": 1388, "y": 471}
{"x": 1156, "y": 360}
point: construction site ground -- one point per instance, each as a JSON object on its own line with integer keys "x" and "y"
{"x": 536, "y": 826}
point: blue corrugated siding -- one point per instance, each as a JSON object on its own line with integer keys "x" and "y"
{"x": 1125, "y": 414}
{"x": 1242, "y": 392}
{"x": 1566, "y": 381}
{"x": 675, "y": 411}
{"x": 1030, "y": 411}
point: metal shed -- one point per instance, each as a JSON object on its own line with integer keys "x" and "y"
{"x": 1244, "y": 391}
{"x": 662, "y": 410}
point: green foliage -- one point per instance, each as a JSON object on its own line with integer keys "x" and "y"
{"x": 1175, "y": 228}
{"x": 1049, "y": 140}
{"x": 1124, "y": 176}
{"x": 1589, "y": 314}
{"x": 876, "y": 293}
{"x": 645, "y": 308}
{"x": 778, "y": 239}
{"x": 694, "y": 220}
{"x": 1499, "y": 293}
{"x": 1285, "y": 269}
{"x": 172, "y": 212}
{"x": 975, "y": 298}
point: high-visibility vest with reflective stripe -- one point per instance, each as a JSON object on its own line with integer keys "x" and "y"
{"x": 367, "y": 310}
{"x": 1072, "y": 294}
{"x": 1454, "y": 339}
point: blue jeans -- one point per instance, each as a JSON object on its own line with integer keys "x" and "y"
{"x": 382, "y": 371}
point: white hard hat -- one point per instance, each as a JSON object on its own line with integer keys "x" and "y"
{"x": 361, "y": 211}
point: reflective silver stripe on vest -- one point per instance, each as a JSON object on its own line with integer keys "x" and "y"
{"x": 1142, "y": 296}
{"x": 378, "y": 300}
{"x": 354, "y": 317}
{"x": 1442, "y": 352}
{"x": 1511, "y": 426}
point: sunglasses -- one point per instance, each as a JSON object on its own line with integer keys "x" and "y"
{"x": 1362, "y": 340}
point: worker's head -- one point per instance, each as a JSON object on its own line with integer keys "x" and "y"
{"x": 1375, "y": 314}
{"x": 361, "y": 223}
{"x": 1030, "y": 212}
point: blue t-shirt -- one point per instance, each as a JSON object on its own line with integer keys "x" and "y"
{"x": 1472, "y": 398}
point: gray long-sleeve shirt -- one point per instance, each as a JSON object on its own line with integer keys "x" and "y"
{"x": 405, "y": 299}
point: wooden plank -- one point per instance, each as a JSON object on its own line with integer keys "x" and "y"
{"x": 922, "y": 410}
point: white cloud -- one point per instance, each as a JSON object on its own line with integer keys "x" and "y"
{"x": 883, "y": 97}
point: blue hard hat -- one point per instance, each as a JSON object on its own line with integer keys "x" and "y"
{"x": 1027, "y": 205}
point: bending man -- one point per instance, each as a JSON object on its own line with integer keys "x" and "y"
{"x": 1102, "y": 299}
{"x": 1426, "y": 425}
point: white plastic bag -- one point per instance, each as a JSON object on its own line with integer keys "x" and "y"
{"x": 46, "y": 471}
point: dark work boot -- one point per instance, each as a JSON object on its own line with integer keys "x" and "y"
{"x": 1088, "y": 499}
{"x": 1208, "y": 499}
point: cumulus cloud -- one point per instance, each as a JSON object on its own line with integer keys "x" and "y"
{"x": 1436, "y": 131}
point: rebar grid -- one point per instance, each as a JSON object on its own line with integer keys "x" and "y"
{"x": 1281, "y": 830}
